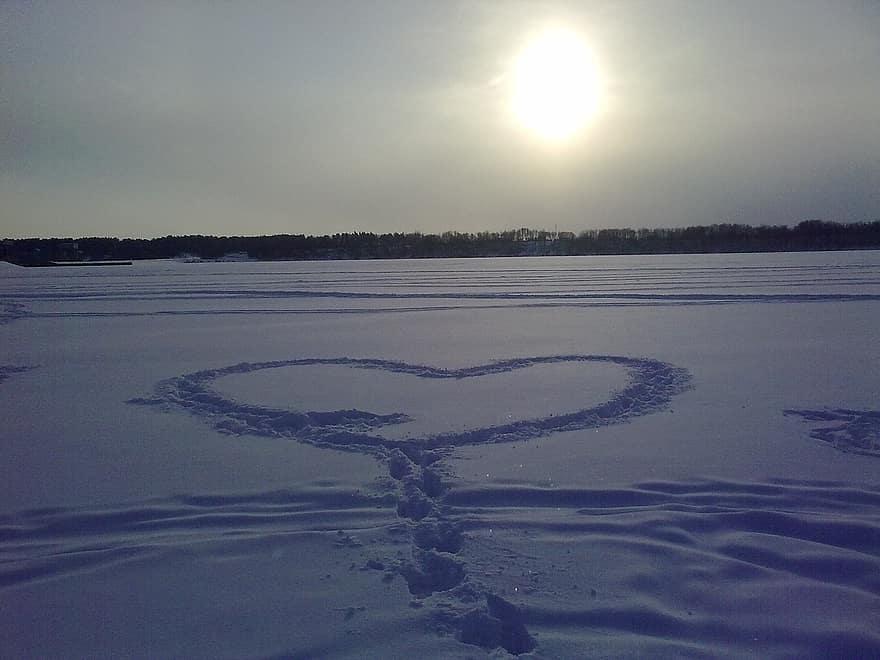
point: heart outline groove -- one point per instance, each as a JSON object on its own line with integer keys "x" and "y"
{"x": 651, "y": 386}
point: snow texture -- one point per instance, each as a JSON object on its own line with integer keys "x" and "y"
{"x": 155, "y": 504}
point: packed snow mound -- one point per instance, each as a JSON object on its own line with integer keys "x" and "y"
{"x": 856, "y": 431}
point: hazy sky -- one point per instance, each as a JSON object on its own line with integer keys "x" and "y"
{"x": 150, "y": 118}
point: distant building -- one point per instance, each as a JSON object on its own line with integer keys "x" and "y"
{"x": 235, "y": 256}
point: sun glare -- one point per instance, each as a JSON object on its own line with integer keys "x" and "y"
{"x": 556, "y": 85}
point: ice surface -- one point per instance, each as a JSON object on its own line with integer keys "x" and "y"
{"x": 612, "y": 456}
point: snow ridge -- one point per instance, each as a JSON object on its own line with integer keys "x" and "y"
{"x": 697, "y": 550}
{"x": 7, "y": 370}
{"x": 565, "y": 296}
{"x": 12, "y": 311}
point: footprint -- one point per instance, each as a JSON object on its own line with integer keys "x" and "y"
{"x": 415, "y": 464}
{"x": 651, "y": 386}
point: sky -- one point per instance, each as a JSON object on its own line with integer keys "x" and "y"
{"x": 143, "y": 119}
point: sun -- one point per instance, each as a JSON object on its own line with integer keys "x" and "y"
{"x": 556, "y": 85}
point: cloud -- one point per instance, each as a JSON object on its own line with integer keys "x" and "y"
{"x": 147, "y": 119}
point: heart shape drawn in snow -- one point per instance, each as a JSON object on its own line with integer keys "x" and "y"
{"x": 650, "y": 386}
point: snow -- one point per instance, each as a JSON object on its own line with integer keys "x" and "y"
{"x": 555, "y": 457}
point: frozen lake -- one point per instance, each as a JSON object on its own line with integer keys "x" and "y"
{"x": 590, "y": 456}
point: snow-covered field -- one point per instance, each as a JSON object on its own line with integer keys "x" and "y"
{"x": 667, "y": 456}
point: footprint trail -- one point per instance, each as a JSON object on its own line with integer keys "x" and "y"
{"x": 476, "y": 615}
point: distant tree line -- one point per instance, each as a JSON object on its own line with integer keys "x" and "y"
{"x": 807, "y": 235}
